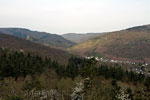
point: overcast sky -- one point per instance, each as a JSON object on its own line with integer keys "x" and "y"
{"x": 69, "y": 16}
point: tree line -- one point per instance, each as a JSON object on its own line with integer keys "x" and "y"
{"x": 15, "y": 64}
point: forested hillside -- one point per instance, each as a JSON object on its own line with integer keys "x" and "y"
{"x": 132, "y": 43}
{"x": 28, "y": 46}
{"x": 48, "y": 39}
{"x": 32, "y": 77}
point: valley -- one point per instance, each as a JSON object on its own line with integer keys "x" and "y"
{"x": 109, "y": 66}
{"x": 74, "y": 50}
{"x": 79, "y": 38}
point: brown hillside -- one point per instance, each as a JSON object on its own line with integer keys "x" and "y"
{"x": 133, "y": 43}
{"x": 28, "y": 46}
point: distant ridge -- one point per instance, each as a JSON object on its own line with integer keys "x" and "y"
{"x": 48, "y": 39}
{"x": 78, "y": 38}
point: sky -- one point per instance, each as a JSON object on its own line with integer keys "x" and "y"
{"x": 74, "y": 16}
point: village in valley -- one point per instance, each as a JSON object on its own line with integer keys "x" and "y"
{"x": 138, "y": 67}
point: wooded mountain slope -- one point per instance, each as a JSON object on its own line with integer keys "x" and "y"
{"x": 132, "y": 43}
{"x": 35, "y": 48}
{"x": 52, "y": 40}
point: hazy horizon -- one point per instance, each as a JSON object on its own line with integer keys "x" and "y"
{"x": 79, "y": 16}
